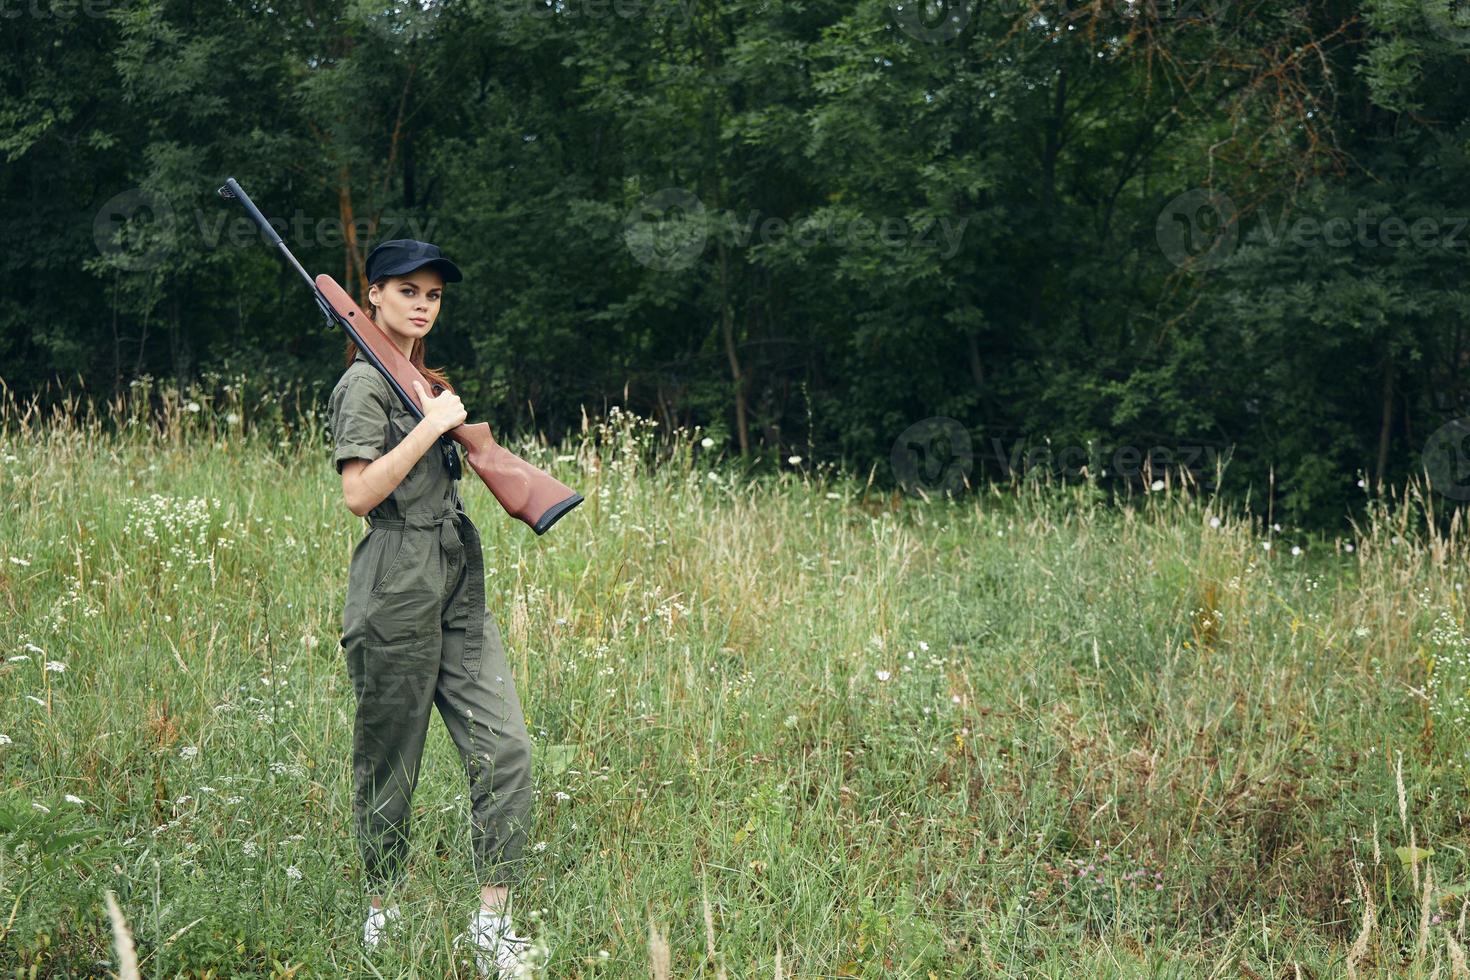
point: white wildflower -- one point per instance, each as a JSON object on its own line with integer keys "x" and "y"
{"x": 41, "y": 807}
{"x": 55, "y": 665}
{"x": 706, "y": 442}
{"x": 189, "y": 752}
{"x": 883, "y": 675}
{"x": 1157, "y": 485}
{"x": 73, "y": 799}
{"x": 1214, "y": 522}
{"x": 4, "y": 739}
{"x": 294, "y": 873}
{"x": 793, "y": 460}
{"x": 18, "y": 561}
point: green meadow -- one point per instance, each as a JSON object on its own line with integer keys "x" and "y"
{"x": 785, "y": 724}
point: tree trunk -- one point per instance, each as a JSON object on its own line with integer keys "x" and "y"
{"x": 1385, "y": 428}
{"x": 977, "y": 370}
{"x": 352, "y": 261}
{"x": 178, "y": 344}
{"x": 727, "y": 327}
{"x": 1050, "y": 152}
{"x": 116, "y": 342}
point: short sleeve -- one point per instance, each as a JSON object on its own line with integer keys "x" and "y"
{"x": 358, "y": 420}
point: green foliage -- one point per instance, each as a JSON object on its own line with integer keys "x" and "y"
{"x": 893, "y": 219}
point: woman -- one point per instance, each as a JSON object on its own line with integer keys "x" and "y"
{"x": 414, "y": 627}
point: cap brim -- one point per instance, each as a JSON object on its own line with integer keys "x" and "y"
{"x": 446, "y": 268}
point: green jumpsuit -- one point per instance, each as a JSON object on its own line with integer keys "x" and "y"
{"x": 415, "y": 632}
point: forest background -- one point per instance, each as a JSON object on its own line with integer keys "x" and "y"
{"x": 1112, "y": 240}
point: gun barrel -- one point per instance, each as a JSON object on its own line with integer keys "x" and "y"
{"x": 233, "y": 190}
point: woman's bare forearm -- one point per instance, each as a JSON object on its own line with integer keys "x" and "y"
{"x": 379, "y": 478}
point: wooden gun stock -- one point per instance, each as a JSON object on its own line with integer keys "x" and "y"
{"x": 526, "y": 492}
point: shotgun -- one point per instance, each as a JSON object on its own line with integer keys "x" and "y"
{"x": 526, "y": 492}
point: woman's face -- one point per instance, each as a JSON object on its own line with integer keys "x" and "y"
{"x": 408, "y": 305}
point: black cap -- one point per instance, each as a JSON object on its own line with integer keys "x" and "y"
{"x": 403, "y": 255}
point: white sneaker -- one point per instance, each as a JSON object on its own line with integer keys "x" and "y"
{"x": 378, "y": 922}
{"x": 498, "y": 951}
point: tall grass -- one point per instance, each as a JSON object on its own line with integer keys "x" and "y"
{"x": 785, "y": 726}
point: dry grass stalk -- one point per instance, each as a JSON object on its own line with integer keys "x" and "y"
{"x": 122, "y": 940}
{"x": 658, "y": 951}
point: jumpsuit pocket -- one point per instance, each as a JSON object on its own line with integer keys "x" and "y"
{"x": 393, "y": 540}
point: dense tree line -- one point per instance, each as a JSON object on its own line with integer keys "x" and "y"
{"x": 1153, "y": 229}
